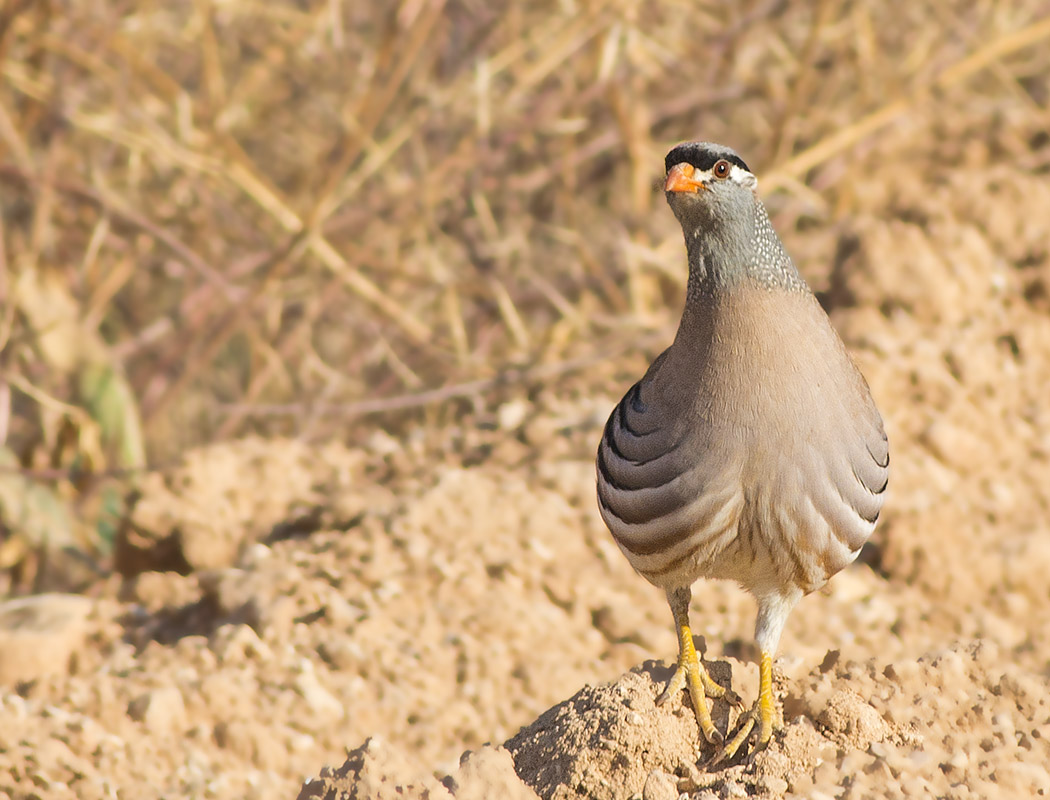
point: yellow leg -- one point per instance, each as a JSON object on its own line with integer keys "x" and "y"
{"x": 766, "y": 708}
{"x": 691, "y": 671}
{"x": 762, "y": 711}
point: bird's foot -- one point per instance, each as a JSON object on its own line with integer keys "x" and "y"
{"x": 691, "y": 674}
{"x": 762, "y": 713}
{"x": 745, "y": 729}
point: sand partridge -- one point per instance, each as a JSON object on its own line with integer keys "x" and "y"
{"x": 751, "y": 450}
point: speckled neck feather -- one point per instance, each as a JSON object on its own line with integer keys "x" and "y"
{"x": 726, "y": 249}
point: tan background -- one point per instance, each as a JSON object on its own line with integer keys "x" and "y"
{"x": 344, "y": 292}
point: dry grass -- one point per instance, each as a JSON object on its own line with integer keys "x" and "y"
{"x": 220, "y": 217}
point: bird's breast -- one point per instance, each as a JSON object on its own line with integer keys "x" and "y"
{"x": 737, "y": 455}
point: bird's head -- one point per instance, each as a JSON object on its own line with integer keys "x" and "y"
{"x": 708, "y": 184}
{"x": 728, "y": 234}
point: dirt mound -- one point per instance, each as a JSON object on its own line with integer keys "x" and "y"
{"x": 922, "y": 727}
{"x": 464, "y": 607}
{"x": 374, "y": 771}
{"x": 605, "y": 740}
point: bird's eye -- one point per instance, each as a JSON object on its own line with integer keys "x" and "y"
{"x": 721, "y": 169}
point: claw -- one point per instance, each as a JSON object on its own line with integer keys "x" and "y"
{"x": 674, "y": 686}
{"x": 734, "y": 700}
{"x": 761, "y": 712}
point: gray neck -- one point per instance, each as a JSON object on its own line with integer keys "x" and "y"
{"x": 738, "y": 248}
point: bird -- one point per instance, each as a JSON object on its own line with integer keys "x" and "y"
{"x": 751, "y": 450}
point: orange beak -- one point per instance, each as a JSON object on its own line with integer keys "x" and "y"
{"x": 680, "y": 179}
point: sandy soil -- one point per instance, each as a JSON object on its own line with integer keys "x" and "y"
{"x": 280, "y": 603}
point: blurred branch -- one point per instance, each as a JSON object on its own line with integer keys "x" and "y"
{"x": 846, "y": 137}
{"x": 113, "y": 207}
{"x": 42, "y": 397}
{"x": 508, "y": 378}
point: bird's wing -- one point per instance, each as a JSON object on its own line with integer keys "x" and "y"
{"x": 856, "y": 471}
{"x": 663, "y": 492}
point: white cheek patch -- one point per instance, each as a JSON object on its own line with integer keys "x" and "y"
{"x": 742, "y": 177}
